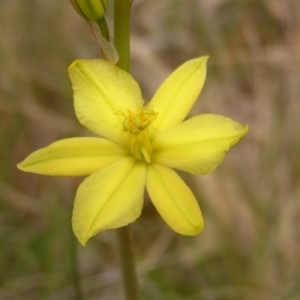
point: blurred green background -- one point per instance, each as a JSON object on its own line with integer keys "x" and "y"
{"x": 250, "y": 247}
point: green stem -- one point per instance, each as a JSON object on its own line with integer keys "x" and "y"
{"x": 104, "y": 28}
{"x": 122, "y": 10}
{"x": 127, "y": 263}
{"x": 122, "y": 32}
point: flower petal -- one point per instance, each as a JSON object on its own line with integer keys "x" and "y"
{"x": 178, "y": 93}
{"x": 174, "y": 200}
{"x": 100, "y": 90}
{"x": 110, "y": 198}
{"x": 197, "y": 145}
{"x": 73, "y": 157}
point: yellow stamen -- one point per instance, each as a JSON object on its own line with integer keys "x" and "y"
{"x": 137, "y": 124}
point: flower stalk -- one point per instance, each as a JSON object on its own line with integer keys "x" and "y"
{"x": 127, "y": 262}
{"x": 104, "y": 29}
{"x": 122, "y": 10}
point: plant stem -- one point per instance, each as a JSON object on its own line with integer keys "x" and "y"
{"x": 122, "y": 43}
{"x": 127, "y": 263}
{"x": 122, "y": 32}
{"x": 104, "y": 28}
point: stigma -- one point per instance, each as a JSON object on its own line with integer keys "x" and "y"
{"x": 137, "y": 124}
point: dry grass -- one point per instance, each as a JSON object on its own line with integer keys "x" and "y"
{"x": 250, "y": 247}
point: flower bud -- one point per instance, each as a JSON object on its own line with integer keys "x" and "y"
{"x": 90, "y": 10}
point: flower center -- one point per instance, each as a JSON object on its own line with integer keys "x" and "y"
{"x": 137, "y": 125}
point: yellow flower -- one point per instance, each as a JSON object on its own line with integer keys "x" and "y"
{"x": 139, "y": 145}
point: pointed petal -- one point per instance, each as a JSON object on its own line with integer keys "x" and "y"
{"x": 174, "y": 200}
{"x": 198, "y": 145}
{"x": 73, "y": 157}
{"x": 178, "y": 93}
{"x": 110, "y": 198}
{"x": 100, "y": 90}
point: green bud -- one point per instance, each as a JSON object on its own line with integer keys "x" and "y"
{"x": 90, "y": 10}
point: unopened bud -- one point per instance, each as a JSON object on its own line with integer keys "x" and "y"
{"x": 90, "y": 10}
